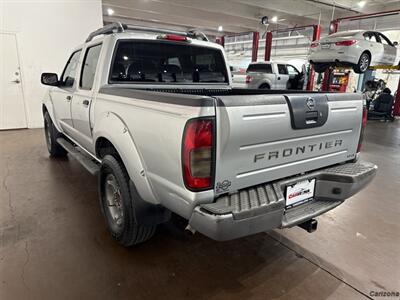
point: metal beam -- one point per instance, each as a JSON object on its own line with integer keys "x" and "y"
{"x": 221, "y": 40}
{"x": 254, "y": 50}
{"x": 396, "y": 110}
{"x": 268, "y": 46}
{"x": 311, "y": 75}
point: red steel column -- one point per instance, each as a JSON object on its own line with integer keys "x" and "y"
{"x": 221, "y": 41}
{"x": 254, "y": 52}
{"x": 316, "y": 36}
{"x": 325, "y": 83}
{"x": 333, "y": 26}
{"x": 396, "y": 110}
{"x": 268, "y": 46}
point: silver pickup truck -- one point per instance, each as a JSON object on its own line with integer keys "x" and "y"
{"x": 153, "y": 114}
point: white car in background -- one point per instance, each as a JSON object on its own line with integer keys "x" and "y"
{"x": 357, "y": 48}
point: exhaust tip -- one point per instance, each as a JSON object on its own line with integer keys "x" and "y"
{"x": 310, "y": 225}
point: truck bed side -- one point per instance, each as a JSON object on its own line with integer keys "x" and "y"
{"x": 155, "y": 122}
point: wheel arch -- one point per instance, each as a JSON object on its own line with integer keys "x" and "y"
{"x": 369, "y": 53}
{"x": 111, "y": 132}
{"x": 47, "y": 106}
{"x": 265, "y": 83}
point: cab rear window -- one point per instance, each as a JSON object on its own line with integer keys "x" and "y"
{"x": 166, "y": 62}
{"x": 262, "y": 68}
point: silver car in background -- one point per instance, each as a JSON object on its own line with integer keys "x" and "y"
{"x": 274, "y": 75}
{"x": 357, "y": 48}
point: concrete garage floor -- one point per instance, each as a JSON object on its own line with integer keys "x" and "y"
{"x": 54, "y": 244}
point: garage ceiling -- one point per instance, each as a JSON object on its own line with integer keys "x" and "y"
{"x": 236, "y": 15}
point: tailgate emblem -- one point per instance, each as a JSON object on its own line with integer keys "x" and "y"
{"x": 223, "y": 186}
{"x": 310, "y": 102}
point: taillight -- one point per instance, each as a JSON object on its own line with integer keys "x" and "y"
{"x": 346, "y": 43}
{"x": 363, "y": 124}
{"x": 314, "y": 45}
{"x": 248, "y": 79}
{"x": 197, "y": 154}
{"x": 173, "y": 37}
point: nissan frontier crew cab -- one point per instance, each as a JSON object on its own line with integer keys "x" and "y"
{"x": 152, "y": 113}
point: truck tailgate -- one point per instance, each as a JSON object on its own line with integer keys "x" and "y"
{"x": 261, "y": 138}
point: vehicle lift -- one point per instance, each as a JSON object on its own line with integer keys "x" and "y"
{"x": 334, "y": 26}
{"x": 268, "y": 46}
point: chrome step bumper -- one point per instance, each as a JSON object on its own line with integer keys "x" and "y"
{"x": 262, "y": 207}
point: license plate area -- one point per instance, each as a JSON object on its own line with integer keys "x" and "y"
{"x": 300, "y": 192}
{"x": 325, "y": 46}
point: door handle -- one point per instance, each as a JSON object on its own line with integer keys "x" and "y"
{"x": 86, "y": 102}
{"x": 16, "y": 80}
{"x": 279, "y": 78}
{"x": 69, "y": 98}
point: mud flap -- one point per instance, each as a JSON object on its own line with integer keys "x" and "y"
{"x": 147, "y": 214}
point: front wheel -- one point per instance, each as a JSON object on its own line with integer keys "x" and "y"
{"x": 264, "y": 86}
{"x": 117, "y": 203}
{"x": 51, "y": 135}
{"x": 363, "y": 63}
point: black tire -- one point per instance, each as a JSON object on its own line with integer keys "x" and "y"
{"x": 264, "y": 86}
{"x": 320, "y": 68}
{"x": 52, "y": 134}
{"x": 120, "y": 215}
{"x": 363, "y": 63}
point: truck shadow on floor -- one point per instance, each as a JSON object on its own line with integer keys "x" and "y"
{"x": 73, "y": 256}
{"x": 176, "y": 265}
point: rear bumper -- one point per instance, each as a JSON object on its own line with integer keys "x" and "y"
{"x": 262, "y": 207}
{"x": 333, "y": 57}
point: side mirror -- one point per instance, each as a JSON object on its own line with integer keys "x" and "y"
{"x": 49, "y": 79}
{"x": 395, "y": 44}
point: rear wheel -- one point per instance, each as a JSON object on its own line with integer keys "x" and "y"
{"x": 52, "y": 134}
{"x": 264, "y": 86}
{"x": 321, "y": 68}
{"x": 363, "y": 63}
{"x": 116, "y": 199}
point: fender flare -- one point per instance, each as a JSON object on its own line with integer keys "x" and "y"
{"x": 111, "y": 127}
{"x": 48, "y": 106}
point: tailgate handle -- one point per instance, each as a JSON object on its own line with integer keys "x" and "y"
{"x": 311, "y": 117}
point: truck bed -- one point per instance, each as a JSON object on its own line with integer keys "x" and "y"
{"x": 265, "y": 135}
{"x": 229, "y": 91}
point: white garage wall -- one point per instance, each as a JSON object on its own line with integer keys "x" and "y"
{"x": 46, "y": 33}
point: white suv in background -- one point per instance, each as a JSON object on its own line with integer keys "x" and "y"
{"x": 357, "y": 48}
{"x": 274, "y": 76}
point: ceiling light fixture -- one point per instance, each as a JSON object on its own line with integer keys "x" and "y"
{"x": 110, "y": 11}
{"x": 220, "y": 28}
{"x": 361, "y": 4}
{"x": 274, "y": 19}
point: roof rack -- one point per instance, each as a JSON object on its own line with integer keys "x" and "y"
{"x": 121, "y": 27}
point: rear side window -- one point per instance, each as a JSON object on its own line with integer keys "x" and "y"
{"x": 89, "y": 67}
{"x": 262, "y": 68}
{"x": 166, "y": 62}
{"x": 282, "y": 69}
{"x": 370, "y": 36}
{"x": 68, "y": 76}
